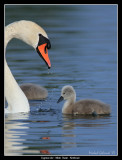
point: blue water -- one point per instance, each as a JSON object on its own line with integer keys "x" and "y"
{"x": 84, "y": 55}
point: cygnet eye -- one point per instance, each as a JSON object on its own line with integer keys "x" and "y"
{"x": 63, "y": 93}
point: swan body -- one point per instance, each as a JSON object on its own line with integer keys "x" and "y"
{"x": 85, "y": 107}
{"x": 35, "y": 36}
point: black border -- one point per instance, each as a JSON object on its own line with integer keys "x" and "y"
{"x": 2, "y": 73}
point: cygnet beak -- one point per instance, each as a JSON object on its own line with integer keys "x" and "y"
{"x": 60, "y": 99}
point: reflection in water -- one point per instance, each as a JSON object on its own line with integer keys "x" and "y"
{"x": 18, "y": 132}
{"x": 83, "y": 121}
{"x": 68, "y": 134}
{"x": 14, "y": 129}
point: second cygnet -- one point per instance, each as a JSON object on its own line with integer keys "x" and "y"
{"x": 85, "y": 107}
{"x": 34, "y": 91}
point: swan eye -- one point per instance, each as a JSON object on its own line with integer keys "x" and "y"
{"x": 43, "y": 40}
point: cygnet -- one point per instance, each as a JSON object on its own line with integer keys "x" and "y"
{"x": 34, "y": 91}
{"x": 85, "y": 106}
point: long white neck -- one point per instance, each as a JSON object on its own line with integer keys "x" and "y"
{"x": 17, "y": 101}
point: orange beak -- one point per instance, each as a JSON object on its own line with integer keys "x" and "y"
{"x": 43, "y": 52}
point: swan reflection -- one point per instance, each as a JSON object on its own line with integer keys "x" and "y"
{"x": 14, "y": 128}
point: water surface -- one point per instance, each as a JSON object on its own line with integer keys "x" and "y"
{"x": 84, "y": 55}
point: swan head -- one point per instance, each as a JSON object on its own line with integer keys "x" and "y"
{"x": 67, "y": 93}
{"x": 42, "y": 49}
{"x": 34, "y": 35}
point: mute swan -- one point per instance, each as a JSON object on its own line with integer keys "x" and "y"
{"x": 35, "y": 36}
{"x": 86, "y": 106}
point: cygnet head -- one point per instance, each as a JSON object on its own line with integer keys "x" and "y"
{"x": 67, "y": 93}
{"x": 32, "y": 34}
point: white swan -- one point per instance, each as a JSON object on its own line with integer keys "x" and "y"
{"x": 35, "y": 36}
{"x": 86, "y": 106}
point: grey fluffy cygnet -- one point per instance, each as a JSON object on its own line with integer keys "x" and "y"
{"x": 34, "y": 91}
{"x": 85, "y": 107}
